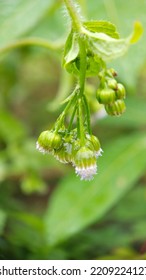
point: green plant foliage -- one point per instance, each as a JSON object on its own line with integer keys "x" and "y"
{"x": 103, "y": 44}
{"x": 3, "y": 218}
{"x": 123, "y": 13}
{"x": 19, "y": 16}
{"x": 46, "y": 212}
{"x": 102, "y": 27}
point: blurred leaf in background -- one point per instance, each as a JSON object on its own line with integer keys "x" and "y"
{"x": 45, "y": 211}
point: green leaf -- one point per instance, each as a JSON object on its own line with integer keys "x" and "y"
{"x": 71, "y": 52}
{"x": 76, "y": 204}
{"x": 99, "y": 47}
{"x": 18, "y": 17}
{"x": 102, "y": 27}
{"x": 123, "y": 14}
{"x": 109, "y": 48}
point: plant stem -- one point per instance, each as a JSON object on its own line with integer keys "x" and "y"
{"x": 63, "y": 114}
{"x": 32, "y": 42}
{"x": 72, "y": 118}
{"x": 83, "y": 63}
{"x": 88, "y": 114}
{"x": 77, "y": 24}
{"x": 80, "y": 121}
{"x": 76, "y": 21}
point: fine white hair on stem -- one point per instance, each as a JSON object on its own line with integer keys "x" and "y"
{"x": 65, "y": 12}
{"x": 65, "y": 15}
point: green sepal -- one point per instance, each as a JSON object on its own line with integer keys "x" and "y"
{"x": 71, "y": 52}
{"x": 102, "y": 26}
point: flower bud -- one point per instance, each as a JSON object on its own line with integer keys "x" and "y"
{"x": 106, "y": 96}
{"x": 62, "y": 155}
{"x": 48, "y": 141}
{"x": 95, "y": 144}
{"x": 116, "y": 109}
{"x": 120, "y": 92}
{"x": 65, "y": 153}
{"x": 112, "y": 83}
{"x": 111, "y": 72}
{"x": 85, "y": 163}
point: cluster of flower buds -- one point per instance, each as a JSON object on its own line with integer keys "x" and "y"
{"x": 111, "y": 93}
{"x": 67, "y": 148}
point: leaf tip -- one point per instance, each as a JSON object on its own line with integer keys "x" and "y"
{"x": 137, "y": 33}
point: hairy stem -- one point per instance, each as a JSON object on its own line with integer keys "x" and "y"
{"x": 76, "y": 21}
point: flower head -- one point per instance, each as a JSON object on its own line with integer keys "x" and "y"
{"x": 116, "y": 108}
{"x": 48, "y": 141}
{"x": 65, "y": 153}
{"x": 94, "y": 141}
{"x": 85, "y": 163}
{"x": 105, "y": 95}
{"x": 120, "y": 93}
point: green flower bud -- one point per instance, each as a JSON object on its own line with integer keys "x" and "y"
{"x": 94, "y": 141}
{"x": 64, "y": 155}
{"x": 85, "y": 163}
{"x": 116, "y": 109}
{"x": 111, "y": 72}
{"x": 120, "y": 92}
{"x": 112, "y": 83}
{"x": 105, "y": 96}
{"x": 48, "y": 141}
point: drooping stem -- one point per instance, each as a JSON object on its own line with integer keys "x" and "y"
{"x": 87, "y": 114}
{"x": 60, "y": 119}
{"x": 81, "y": 131}
{"x": 72, "y": 118}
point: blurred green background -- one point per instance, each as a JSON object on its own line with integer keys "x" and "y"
{"x": 46, "y": 212}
